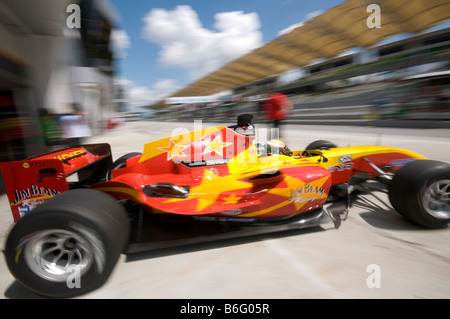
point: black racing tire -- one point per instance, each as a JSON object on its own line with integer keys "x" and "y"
{"x": 320, "y": 145}
{"x": 420, "y": 191}
{"x": 69, "y": 245}
{"x": 120, "y": 163}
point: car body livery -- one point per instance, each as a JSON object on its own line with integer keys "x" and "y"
{"x": 79, "y": 208}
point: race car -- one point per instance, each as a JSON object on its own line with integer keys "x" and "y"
{"x": 76, "y": 210}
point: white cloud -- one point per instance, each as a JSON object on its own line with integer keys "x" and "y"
{"x": 187, "y": 44}
{"x": 120, "y": 42}
{"x": 136, "y": 95}
{"x": 308, "y": 17}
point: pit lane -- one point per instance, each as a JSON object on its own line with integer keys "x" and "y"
{"x": 321, "y": 262}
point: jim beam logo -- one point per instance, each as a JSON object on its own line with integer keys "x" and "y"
{"x": 317, "y": 192}
{"x": 31, "y": 197}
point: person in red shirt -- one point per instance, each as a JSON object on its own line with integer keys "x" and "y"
{"x": 277, "y": 107}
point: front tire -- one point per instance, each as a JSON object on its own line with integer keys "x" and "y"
{"x": 420, "y": 191}
{"x": 69, "y": 245}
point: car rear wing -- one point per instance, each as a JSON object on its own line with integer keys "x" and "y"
{"x": 32, "y": 181}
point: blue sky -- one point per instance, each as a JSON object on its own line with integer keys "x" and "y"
{"x": 164, "y": 45}
{"x": 219, "y": 32}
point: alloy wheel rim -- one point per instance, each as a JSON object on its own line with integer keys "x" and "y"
{"x": 436, "y": 199}
{"x": 56, "y": 254}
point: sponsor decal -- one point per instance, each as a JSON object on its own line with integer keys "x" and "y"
{"x": 345, "y": 158}
{"x": 341, "y": 167}
{"x": 31, "y": 197}
{"x": 307, "y": 199}
{"x": 33, "y": 191}
{"x": 307, "y": 189}
{"x": 70, "y": 156}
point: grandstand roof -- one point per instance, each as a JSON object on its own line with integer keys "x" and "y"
{"x": 339, "y": 29}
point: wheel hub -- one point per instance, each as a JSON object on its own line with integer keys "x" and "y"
{"x": 436, "y": 199}
{"x": 54, "y": 254}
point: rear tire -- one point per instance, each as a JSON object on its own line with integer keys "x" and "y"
{"x": 320, "y": 145}
{"x": 69, "y": 245}
{"x": 120, "y": 163}
{"x": 420, "y": 191}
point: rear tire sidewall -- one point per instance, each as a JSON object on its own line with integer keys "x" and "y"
{"x": 120, "y": 163}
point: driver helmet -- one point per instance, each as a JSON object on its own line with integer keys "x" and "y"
{"x": 277, "y": 147}
{"x": 245, "y": 125}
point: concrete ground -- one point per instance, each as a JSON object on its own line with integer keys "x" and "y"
{"x": 375, "y": 253}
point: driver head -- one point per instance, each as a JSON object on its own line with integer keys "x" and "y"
{"x": 277, "y": 147}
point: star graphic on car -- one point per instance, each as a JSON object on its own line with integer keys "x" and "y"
{"x": 210, "y": 188}
{"x": 232, "y": 199}
{"x": 215, "y": 146}
{"x": 174, "y": 150}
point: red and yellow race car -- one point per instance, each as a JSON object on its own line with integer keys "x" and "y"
{"x": 77, "y": 210}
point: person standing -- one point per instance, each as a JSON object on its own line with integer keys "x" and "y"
{"x": 51, "y": 131}
{"x": 277, "y": 107}
{"x": 75, "y": 126}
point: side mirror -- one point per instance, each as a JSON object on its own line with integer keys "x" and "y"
{"x": 322, "y": 159}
